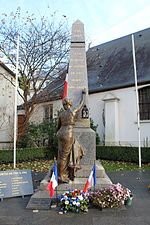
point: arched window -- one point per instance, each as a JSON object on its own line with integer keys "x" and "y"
{"x": 144, "y": 103}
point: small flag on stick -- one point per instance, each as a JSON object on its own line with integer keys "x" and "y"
{"x": 91, "y": 180}
{"x": 65, "y": 87}
{"x": 53, "y": 181}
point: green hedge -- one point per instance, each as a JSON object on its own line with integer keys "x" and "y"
{"x": 120, "y": 153}
{"x": 115, "y": 153}
{"x": 6, "y": 156}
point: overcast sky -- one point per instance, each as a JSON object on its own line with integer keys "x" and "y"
{"x": 104, "y": 20}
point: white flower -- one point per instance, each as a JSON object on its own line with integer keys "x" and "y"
{"x": 74, "y": 203}
{"x": 66, "y": 202}
{"x": 122, "y": 202}
{"x": 80, "y": 197}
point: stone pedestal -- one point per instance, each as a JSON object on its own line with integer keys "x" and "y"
{"x": 102, "y": 180}
{"x": 87, "y": 139}
{"x": 41, "y": 199}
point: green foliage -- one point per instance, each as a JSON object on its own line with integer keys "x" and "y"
{"x": 24, "y": 84}
{"x": 31, "y": 154}
{"x": 39, "y": 135}
{"x": 94, "y": 127}
{"x": 120, "y": 153}
{"x": 6, "y": 156}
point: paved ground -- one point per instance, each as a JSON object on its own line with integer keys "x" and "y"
{"x": 13, "y": 210}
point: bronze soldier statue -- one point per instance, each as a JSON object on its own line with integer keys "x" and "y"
{"x": 69, "y": 150}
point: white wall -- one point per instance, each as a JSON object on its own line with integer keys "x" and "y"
{"x": 7, "y": 96}
{"x": 111, "y": 114}
{"x": 96, "y": 108}
{"x": 128, "y": 134}
{"x": 38, "y": 114}
{"x": 6, "y": 109}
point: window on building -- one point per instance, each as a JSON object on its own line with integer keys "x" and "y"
{"x": 48, "y": 112}
{"x": 144, "y": 103}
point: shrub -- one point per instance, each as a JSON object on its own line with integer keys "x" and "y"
{"x": 120, "y": 153}
{"x": 94, "y": 127}
{"x": 41, "y": 135}
{"x": 6, "y": 156}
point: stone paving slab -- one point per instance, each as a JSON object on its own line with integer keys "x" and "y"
{"x": 39, "y": 203}
{"x": 13, "y": 210}
{"x": 9, "y": 220}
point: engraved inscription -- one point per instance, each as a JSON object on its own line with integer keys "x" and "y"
{"x": 15, "y": 183}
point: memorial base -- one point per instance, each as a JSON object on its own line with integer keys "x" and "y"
{"x": 41, "y": 200}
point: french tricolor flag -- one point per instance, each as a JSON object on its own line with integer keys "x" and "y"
{"x": 65, "y": 87}
{"x": 53, "y": 181}
{"x": 91, "y": 180}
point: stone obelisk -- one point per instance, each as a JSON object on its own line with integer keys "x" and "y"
{"x": 77, "y": 74}
{"x": 77, "y": 81}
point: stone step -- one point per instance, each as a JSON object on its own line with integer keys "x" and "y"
{"x": 81, "y": 178}
{"x": 86, "y": 170}
{"x": 79, "y": 183}
{"x": 40, "y": 199}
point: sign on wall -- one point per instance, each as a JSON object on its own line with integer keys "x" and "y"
{"x": 15, "y": 183}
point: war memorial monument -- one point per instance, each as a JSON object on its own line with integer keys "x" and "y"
{"x": 76, "y": 140}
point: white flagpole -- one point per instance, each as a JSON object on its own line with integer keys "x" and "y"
{"x": 137, "y": 100}
{"x": 15, "y": 109}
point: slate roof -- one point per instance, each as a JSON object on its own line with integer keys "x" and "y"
{"x": 53, "y": 91}
{"x": 110, "y": 66}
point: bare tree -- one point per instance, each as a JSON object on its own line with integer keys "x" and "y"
{"x": 43, "y": 51}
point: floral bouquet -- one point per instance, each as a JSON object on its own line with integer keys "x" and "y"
{"x": 113, "y": 196}
{"x": 75, "y": 201}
